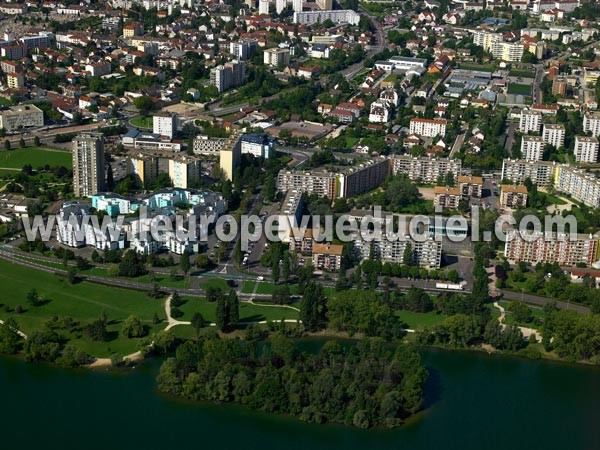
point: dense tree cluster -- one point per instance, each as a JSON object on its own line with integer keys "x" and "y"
{"x": 364, "y": 312}
{"x": 571, "y": 335}
{"x": 363, "y": 385}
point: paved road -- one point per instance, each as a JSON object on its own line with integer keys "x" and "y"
{"x": 510, "y": 136}
{"x": 541, "y": 301}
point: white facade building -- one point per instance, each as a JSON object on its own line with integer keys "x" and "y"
{"x": 591, "y": 123}
{"x": 428, "y": 127}
{"x": 164, "y": 125}
{"x": 554, "y": 134}
{"x": 586, "y": 149}
{"x": 532, "y": 148}
{"x": 531, "y": 122}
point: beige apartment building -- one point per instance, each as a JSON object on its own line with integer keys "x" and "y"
{"x": 88, "y": 164}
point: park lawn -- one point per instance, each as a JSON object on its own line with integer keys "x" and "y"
{"x": 554, "y": 200}
{"x": 216, "y": 283}
{"x": 419, "y": 321}
{"x": 36, "y": 156}
{"x": 248, "y": 287}
{"x": 521, "y": 73}
{"x": 248, "y": 311}
{"x": 142, "y": 122}
{"x": 481, "y": 68}
{"x": 522, "y": 89}
{"x": 84, "y": 302}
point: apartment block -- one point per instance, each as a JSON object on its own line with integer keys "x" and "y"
{"x": 586, "y": 149}
{"x": 554, "y": 134}
{"x": 229, "y": 75}
{"x": 320, "y": 182}
{"x": 260, "y": 145}
{"x": 363, "y": 177}
{"x": 243, "y": 49}
{"x": 518, "y": 170}
{"x": 508, "y": 51}
{"x": 470, "y": 186}
{"x": 446, "y": 196}
{"x": 277, "y": 57}
{"x": 164, "y": 125}
{"x": 530, "y": 122}
{"x": 551, "y": 248}
{"x": 532, "y": 148}
{"x": 145, "y": 166}
{"x": 204, "y": 145}
{"x": 185, "y": 171}
{"x": 514, "y": 196}
{"x": 327, "y": 256}
{"x": 230, "y": 157}
{"x": 88, "y": 164}
{"x": 591, "y": 123}
{"x": 425, "y": 253}
{"x": 338, "y": 182}
{"x": 425, "y": 170}
{"x": 579, "y": 184}
{"x": 21, "y": 116}
{"x": 428, "y": 127}
{"x": 336, "y": 16}
{"x": 15, "y": 80}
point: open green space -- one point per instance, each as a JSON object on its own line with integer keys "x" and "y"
{"x": 522, "y": 73}
{"x": 248, "y": 312}
{"x": 83, "y": 302}
{"x": 419, "y": 321}
{"x": 519, "y": 89}
{"x": 36, "y": 156}
{"x": 142, "y": 122}
{"x": 480, "y": 67}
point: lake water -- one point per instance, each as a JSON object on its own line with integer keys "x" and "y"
{"x": 475, "y": 401}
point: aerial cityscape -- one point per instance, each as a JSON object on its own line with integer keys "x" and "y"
{"x": 304, "y": 225}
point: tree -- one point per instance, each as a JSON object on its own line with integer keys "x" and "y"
{"x": 197, "y": 322}
{"x": 281, "y": 295}
{"x": 22, "y": 143}
{"x": 234, "y": 309}
{"x": 96, "y": 330}
{"x": 221, "y": 314}
{"x": 33, "y": 299}
{"x": 184, "y": 262}
{"x": 7, "y": 145}
{"x": 72, "y": 275}
{"x": 407, "y": 256}
{"x": 202, "y": 261}
{"x": 313, "y": 307}
{"x": 144, "y": 104}
{"x": 275, "y": 270}
{"x": 176, "y": 300}
{"x": 133, "y": 327}
{"x": 10, "y": 341}
{"x": 36, "y": 141}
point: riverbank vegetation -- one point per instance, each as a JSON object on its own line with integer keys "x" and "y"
{"x": 362, "y": 385}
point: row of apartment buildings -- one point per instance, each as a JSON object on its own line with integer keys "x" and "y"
{"x": 342, "y": 182}
{"x": 567, "y": 179}
{"x": 75, "y": 227}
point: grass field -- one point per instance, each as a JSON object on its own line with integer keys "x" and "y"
{"x": 481, "y": 68}
{"x": 248, "y": 312}
{"x": 522, "y": 73}
{"x": 419, "y": 321}
{"x": 142, "y": 122}
{"x": 84, "y": 302}
{"x": 519, "y": 89}
{"x": 37, "y": 157}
